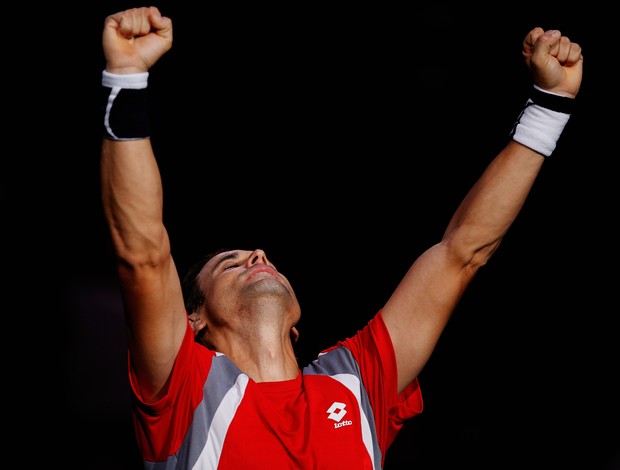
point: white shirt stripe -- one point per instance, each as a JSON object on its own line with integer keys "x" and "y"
{"x": 210, "y": 457}
{"x": 353, "y": 384}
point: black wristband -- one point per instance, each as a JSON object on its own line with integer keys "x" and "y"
{"x": 126, "y": 114}
{"x": 125, "y": 106}
{"x": 561, "y": 104}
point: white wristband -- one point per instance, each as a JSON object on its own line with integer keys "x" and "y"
{"x": 539, "y": 127}
{"x": 132, "y": 81}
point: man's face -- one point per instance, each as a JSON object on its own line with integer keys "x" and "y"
{"x": 239, "y": 283}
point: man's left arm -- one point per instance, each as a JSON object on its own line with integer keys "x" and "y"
{"x": 420, "y": 307}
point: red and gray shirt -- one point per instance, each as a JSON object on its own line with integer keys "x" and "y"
{"x": 342, "y": 410}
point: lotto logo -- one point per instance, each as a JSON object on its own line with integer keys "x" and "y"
{"x": 337, "y": 412}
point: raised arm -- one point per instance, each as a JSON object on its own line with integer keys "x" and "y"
{"x": 421, "y": 305}
{"x": 133, "y": 40}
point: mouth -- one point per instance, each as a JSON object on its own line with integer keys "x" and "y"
{"x": 263, "y": 270}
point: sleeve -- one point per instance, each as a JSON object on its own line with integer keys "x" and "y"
{"x": 161, "y": 426}
{"x": 373, "y": 350}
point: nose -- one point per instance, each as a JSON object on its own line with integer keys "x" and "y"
{"x": 258, "y": 256}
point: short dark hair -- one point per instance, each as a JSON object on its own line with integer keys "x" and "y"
{"x": 193, "y": 295}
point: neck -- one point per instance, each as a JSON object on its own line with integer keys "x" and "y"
{"x": 264, "y": 358}
{"x": 259, "y": 343}
{"x": 258, "y": 339}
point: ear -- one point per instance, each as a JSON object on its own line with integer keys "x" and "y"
{"x": 195, "y": 321}
{"x": 294, "y": 335}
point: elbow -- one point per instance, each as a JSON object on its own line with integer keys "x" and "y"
{"x": 469, "y": 254}
{"x": 142, "y": 250}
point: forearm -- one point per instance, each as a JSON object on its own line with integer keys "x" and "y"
{"x": 132, "y": 199}
{"x": 491, "y": 206}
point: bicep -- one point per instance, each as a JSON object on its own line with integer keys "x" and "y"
{"x": 156, "y": 321}
{"x": 420, "y": 307}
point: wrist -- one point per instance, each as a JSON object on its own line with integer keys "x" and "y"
{"x": 125, "y": 106}
{"x": 542, "y": 121}
{"x": 551, "y": 100}
{"x": 133, "y": 81}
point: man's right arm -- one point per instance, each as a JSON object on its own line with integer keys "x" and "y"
{"x": 133, "y": 41}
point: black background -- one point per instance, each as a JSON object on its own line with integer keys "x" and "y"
{"x": 340, "y": 140}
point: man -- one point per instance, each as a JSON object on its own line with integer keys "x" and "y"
{"x": 212, "y": 362}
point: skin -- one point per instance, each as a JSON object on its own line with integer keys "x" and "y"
{"x": 251, "y": 309}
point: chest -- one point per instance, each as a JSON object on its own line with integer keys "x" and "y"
{"x": 319, "y": 426}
